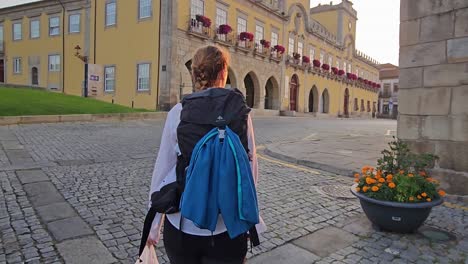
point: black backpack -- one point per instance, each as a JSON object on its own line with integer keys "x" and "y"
{"x": 201, "y": 112}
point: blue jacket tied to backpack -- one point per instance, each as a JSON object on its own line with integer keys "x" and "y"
{"x": 219, "y": 181}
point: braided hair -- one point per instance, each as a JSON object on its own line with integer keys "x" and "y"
{"x": 207, "y": 64}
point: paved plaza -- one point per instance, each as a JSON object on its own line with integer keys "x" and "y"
{"x": 77, "y": 193}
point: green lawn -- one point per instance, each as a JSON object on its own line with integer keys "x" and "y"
{"x": 19, "y": 101}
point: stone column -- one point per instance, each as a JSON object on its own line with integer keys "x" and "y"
{"x": 433, "y": 91}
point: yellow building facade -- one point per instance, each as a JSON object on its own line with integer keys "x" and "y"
{"x": 144, "y": 50}
{"x": 39, "y": 42}
{"x": 271, "y": 80}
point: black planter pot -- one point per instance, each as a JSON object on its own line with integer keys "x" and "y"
{"x": 393, "y": 216}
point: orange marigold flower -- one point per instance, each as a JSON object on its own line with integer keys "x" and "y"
{"x": 369, "y": 180}
{"x": 365, "y": 188}
{"x": 356, "y": 175}
{"x": 424, "y": 194}
{"x": 442, "y": 193}
{"x": 429, "y": 179}
{"x": 411, "y": 198}
{"x": 419, "y": 197}
{"x": 381, "y": 180}
{"x": 402, "y": 172}
{"x": 356, "y": 180}
{"x": 389, "y": 177}
{"x": 411, "y": 175}
{"x": 391, "y": 185}
{"x": 358, "y": 189}
{"x": 375, "y": 188}
{"x": 428, "y": 199}
{"x": 371, "y": 169}
{"x": 423, "y": 173}
{"x": 380, "y": 185}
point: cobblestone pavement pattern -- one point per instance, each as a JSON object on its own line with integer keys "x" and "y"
{"x": 103, "y": 171}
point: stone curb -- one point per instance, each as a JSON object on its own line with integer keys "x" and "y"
{"x": 271, "y": 150}
{"x": 17, "y": 120}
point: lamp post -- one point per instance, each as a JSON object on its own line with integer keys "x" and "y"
{"x": 85, "y": 60}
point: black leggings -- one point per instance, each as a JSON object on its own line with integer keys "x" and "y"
{"x": 182, "y": 248}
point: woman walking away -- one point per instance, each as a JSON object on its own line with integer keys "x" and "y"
{"x": 205, "y": 173}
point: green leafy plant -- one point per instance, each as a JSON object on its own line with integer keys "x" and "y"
{"x": 401, "y": 176}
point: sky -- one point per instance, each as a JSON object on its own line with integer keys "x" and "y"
{"x": 377, "y": 26}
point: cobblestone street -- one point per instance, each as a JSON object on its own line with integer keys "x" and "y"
{"x": 93, "y": 179}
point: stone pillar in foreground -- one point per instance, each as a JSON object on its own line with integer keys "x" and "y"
{"x": 433, "y": 97}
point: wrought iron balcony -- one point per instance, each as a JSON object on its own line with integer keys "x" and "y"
{"x": 197, "y": 28}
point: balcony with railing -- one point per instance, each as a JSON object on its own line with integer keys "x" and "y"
{"x": 200, "y": 29}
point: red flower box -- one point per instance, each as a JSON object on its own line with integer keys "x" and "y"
{"x": 246, "y": 36}
{"x": 305, "y": 59}
{"x": 279, "y": 49}
{"x": 334, "y": 70}
{"x": 204, "y": 20}
{"x": 378, "y": 86}
{"x": 360, "y": 79}
{"x": 296, "y": 56}
{"x": 265, "y": 43}
{"x": 349, "y": 75}
{"x": 326, "y": 67}
{"x": 340, "y": 72}
{"x": 224, "y": 29}
{"x": 316, "y": 63}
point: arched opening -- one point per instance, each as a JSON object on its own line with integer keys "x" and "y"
{"x": 346, "y": 103}
{"x": 325, "y": 101}
{"x": 249, "y": 90}
{"x": 293, "y": 92}
{"x": 272, "y": 94}
{"x": 313, "y": 100}
{"x": 231, "y": 79}
{"x": 34, "y": 76}
{"x": 356, "y": 105}
{"x": 362, "y": 105}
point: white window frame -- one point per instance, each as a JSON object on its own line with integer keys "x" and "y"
{"x": 350, "y": 68}
{"x": 107, "y": 21}
{"x": 241, "y": 24}
{"x": 54, "y": 26}
{"x": 312, "y": 53}
{"x": 197, "y": 7}
{"x": 35, "y": 20}
{"x": 17, "y": 65}
{"x": 344, "y": 66}
{"x": 330, "y": 60}
{"x": 141, "y": 77}
{"x": 18, "y": 36}
{"x": 54, "y": 63}
{"x": 322, "y": 57}
{"x": 274, "y": 38}
{"x": 221, "y": 16}
{"x": 145, "y": 13}
{"x": 259, "y": 33}
{"x": 110, "y": 77}
{"x": 291, "y": 44}
{"x": 300, "y": 48}
{"x": 71, "y": 25}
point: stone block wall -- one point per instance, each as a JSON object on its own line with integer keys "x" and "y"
{"x": 433, "y": 97}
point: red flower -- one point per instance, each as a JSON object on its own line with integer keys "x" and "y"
{"x": 296, "y": 56}
{"x": 204, "y": 20}
{"x": 279, "y": 49}
{"x": 265, "y": 43}
{"x": 305, "y": 59}
{"x": 316, "y": 63}
{"x": 340, "y": 72}
{"x": 326, "y": 67}
{"x": 246, "y": 36}
{"x": 334, "y": 70}
{"x": 224, "y": 29}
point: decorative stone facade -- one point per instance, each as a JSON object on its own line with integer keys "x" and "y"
{"x": 434, "y": 85}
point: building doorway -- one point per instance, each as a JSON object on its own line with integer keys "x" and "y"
{"x": 249, "y": 90}
{"x": 313, "y": 100}
{"x": 34, "y": 76}
{"x": 346, "y": 103}
{"x": 293, "y": 92}
{"x": 325, "y": 102}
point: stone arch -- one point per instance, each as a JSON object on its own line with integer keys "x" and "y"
{"x": 294, "y": 93}
{"x": 231, "y": 79}
{"x": 349, "y": 44}
{"x": 325, "y": 102}
{"x": 252, "y": 89}
{"x": 313, "y": 99}
{"x": 300, "y": 9}
{"x": 362, "y": 105}
{"x": 272, "y": 94}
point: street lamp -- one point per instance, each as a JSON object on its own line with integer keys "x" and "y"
{"x": 85, "y": 60}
